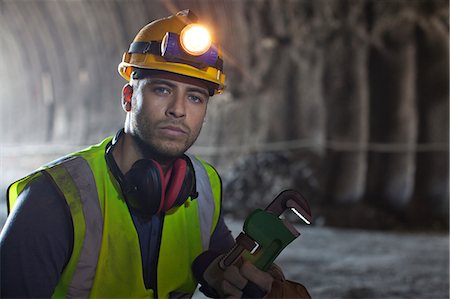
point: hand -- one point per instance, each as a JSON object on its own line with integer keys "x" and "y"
{"x": 242, "y": 279}
{"x": 247, "y": 281}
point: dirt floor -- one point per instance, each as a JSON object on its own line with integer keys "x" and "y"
{"x": 339, "y": 263}
{"x": 342, "y": 263}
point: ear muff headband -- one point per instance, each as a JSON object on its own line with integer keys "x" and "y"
{"x": 118, "y": 175}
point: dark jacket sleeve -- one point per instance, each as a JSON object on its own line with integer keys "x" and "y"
{"x": 36, "y": 242}
{"x": 221, "y": 239}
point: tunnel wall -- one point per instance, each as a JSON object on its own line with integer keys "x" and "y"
{"x": 345, "y": 100}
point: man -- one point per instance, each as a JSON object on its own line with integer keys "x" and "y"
{"x": 127, "y": 217}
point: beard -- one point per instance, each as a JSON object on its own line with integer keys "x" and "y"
{"x": 153, "y": 144}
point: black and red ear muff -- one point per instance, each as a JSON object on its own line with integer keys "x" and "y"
{"x": 147, "y": 190}
{"x": 151, "y": 192}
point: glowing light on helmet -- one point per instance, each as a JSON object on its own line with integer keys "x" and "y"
{"x": 195, "y": 39}
{"x": 158, "y": 46}
{"x": 193, "y": 46}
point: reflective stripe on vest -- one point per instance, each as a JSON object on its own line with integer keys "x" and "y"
{"x": 205, "y": 200}
{"x": 76, "y": 181}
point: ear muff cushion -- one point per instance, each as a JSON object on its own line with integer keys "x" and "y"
{"x": 145, "y": 187}
{"x": 175, "y": 179}
{"x": 188, "y": 188}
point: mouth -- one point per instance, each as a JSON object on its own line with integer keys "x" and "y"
{"x": 173, "y": 130}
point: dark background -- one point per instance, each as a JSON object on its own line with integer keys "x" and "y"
{"x": 345, "y": 101}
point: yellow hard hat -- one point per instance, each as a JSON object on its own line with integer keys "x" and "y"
{"x": 176, "y": 44}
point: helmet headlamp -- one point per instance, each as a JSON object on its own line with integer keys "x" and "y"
{"x": 193, "y": 46}
{"x": 195, "y": 39}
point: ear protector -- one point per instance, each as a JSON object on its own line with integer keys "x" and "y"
{"x": 147, "y": 190}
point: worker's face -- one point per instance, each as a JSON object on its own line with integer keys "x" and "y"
{"x": 167, "y": 113}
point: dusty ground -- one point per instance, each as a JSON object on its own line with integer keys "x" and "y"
{"x": 334, "y": 263}
{"x": 337, "y": 263}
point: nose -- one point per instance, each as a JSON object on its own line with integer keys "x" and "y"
{"x": 176, "y": 107}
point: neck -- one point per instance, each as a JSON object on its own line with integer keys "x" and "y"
{"x": 127, "y": 151}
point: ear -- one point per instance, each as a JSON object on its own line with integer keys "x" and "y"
{"x": 127, "y": 94}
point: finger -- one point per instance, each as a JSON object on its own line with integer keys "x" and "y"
{"x": 262, "y": 279}
{"x": 231, "y": 290}
{"x": 276, "y": 272}
{"x": 233, "y": 275}
{"x": 252, "y": 290}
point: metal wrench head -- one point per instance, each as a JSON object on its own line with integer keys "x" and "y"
{"x": 291, "y": 199}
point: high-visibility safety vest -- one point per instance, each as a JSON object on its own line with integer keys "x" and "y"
{"x": 106, "y": 258}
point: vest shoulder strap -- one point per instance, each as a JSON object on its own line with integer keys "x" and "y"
{"x": 206, "y": 203}
{"x": 75, "y": 180}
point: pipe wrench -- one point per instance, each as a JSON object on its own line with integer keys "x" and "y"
{"x": 265, "y": 234}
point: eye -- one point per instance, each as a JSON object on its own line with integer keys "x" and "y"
{"x": 196, "y": 99}
{"x": 161, "y": 90}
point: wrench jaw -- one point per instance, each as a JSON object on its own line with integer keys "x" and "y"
{"x": 291, "y": 199}
{"x": 294, "y": 201}
{"x": 301, "y": 210}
